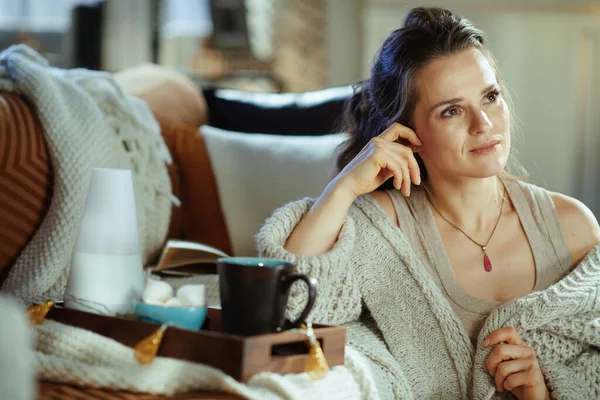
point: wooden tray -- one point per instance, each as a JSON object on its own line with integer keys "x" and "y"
{"x": 238, "y": 356}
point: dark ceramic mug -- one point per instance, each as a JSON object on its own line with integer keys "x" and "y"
{"x": 254, "y": 294}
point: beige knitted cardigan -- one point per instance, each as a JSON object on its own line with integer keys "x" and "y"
{"x": 396, "y": 315}
{"x": 88, "y": 122}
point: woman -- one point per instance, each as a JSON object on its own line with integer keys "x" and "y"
{"x": 429, "y": 142}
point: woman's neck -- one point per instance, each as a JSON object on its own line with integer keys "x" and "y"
{"x": 473, "y": 204}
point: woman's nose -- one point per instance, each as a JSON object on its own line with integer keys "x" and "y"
{"x": 480, "y": 123}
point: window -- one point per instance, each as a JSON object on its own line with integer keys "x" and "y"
{"x": 37, "y": 15}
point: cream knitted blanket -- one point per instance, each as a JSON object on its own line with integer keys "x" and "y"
{"x": 373, "y": 282}
{"x": 78, "y": 357}
{"x": 88, "y": 122}
{"x": 17, "y": 368}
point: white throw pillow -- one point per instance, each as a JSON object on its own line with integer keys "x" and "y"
{"x": 257, "y": 173}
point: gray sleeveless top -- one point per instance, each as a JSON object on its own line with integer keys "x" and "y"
{"x": 541, "y": 225}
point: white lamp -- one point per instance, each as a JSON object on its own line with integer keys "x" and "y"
{"x": 106, "y": 274}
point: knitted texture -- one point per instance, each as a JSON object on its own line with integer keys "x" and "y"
{"x": 74, "y": 356}
{"x": 373, "y": 282}
{"x": 88, "y": 122}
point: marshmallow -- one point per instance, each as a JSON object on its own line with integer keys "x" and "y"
{"x": 157, "y": 292}
{"x": 154, "y": 302}
{"x": 173, "y": 302}
{"x": 191, "y": 295}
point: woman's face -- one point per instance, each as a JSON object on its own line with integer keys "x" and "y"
{"x": 461, "y": 117}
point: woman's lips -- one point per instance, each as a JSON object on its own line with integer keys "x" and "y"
{"x": 487, "y": 147}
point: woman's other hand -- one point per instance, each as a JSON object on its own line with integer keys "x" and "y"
{"x": 514, "y": 366}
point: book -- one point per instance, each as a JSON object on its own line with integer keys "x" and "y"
{"x": 182, "y": 257}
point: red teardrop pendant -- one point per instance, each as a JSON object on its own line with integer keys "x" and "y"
{"x": 487, "y": 264}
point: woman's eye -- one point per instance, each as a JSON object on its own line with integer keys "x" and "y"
{"x": 450, "y": 112}
{"x": 493, "y": 96}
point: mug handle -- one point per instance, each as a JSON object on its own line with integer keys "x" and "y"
{"x": 312, "y": 295}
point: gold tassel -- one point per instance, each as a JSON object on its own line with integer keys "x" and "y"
{"x": 146, "y": 349}
{"x": 316, "y": 365}
{"x": 38, "y": 312}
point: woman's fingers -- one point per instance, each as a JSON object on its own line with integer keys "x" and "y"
{"x": 508, "y": 368}
{"x": 506, "y": 352}
{"x": 402, "y": 173}
{"x": 389, "y": 162}
{"x": 397, "y": 131}
{"x": 415, "y": 171}
{"x": 405, "y": 189}
{"x": 508, "y": 334}
{"x": 413, "y": 166}
{"x": 527, "y": 378}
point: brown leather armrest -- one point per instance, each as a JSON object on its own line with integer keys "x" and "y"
{"x": 201, "y": 216}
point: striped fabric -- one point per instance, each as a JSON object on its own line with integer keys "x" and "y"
{"x": 25, "y": 178}
{"x": 56, "y": 391}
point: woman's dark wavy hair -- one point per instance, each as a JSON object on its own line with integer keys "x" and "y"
{"x": 390, "y": 94}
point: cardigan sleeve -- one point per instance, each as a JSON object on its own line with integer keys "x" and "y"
{"x": 338, "y": 296}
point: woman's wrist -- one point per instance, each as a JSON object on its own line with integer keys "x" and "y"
{"x": 339, "y": 191}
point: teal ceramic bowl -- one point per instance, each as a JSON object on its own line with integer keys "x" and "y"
{"x": 179, "y": 317}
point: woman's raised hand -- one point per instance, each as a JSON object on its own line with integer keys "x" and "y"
{"x": 382, "y": 158}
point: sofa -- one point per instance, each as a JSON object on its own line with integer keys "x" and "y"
{"x": 201, "y": 128}
{"x": 181, "y": 108}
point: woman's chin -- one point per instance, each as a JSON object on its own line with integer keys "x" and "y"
{"x": 492, "y": 165}
{"x": 488, "y": 170}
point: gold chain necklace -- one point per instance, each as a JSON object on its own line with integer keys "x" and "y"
{"x": 487, "y": 264}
